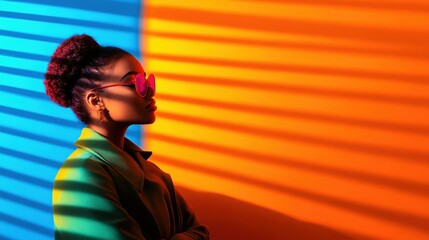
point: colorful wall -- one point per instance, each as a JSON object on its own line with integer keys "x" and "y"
{"x": 277, "y": 119}
{"x": 311, "y": 116}
{"x": 36, "y": 135}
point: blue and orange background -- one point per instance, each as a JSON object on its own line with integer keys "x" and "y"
{"x": 276, "y": 119}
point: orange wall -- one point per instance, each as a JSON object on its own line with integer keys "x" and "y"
{"x": 315, "y": 111}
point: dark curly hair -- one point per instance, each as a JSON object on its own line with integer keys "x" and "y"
{"x": 75, "y": 67}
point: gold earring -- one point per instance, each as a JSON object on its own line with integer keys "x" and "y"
{"x": 100, "y": 116}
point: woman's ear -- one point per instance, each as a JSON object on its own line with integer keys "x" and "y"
{"x": 94, "y": 102}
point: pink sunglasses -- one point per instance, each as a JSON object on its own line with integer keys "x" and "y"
{"x": 141, "y": 84}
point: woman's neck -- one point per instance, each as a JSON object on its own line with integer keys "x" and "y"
{"x": 115, "y": 134}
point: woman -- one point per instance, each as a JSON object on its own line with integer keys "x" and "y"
{"x": 107, "y": 188}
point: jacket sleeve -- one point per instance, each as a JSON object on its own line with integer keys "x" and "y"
{"x": 191, "y": 228}
{"x": 86, "y": 204}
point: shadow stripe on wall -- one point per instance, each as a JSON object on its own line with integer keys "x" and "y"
{"x": 25, "y": 202}
{"x": 26, "y": 178}
{"x": 30, "y": 36}
{"x": 40, "y": 117}
{"x": 36, "y": 137}
{"x": 5, "y": 237}
{"x": 31, "y": 158}
{"x": 105, "y": 6}
{"x": 60, "y": 20}
{"x": 21, "y": 72}
{"x": 25, "y": 55}
{"x": 26, "y": 224}
{"x": 382, "y": 5}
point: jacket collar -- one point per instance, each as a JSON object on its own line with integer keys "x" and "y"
{"x": 115, "y": 157}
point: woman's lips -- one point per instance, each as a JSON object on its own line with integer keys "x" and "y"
{"x": 151, "y": 105}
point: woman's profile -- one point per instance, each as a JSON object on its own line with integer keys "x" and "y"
{"x": 107, "y": 188}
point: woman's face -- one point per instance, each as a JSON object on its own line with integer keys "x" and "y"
{"x": 123, "y": 104}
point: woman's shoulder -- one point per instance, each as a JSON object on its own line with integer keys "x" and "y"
{"x": 82, "y": 165}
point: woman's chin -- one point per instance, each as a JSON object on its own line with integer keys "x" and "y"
{"x": 149, "y": 120}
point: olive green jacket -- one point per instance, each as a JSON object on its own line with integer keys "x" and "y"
{"x": 103, "y": 192}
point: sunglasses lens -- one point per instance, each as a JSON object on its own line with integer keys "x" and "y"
{"x": 151, "y": 80}
{"x": 141, "y": 84}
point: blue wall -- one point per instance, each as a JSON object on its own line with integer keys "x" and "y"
{"x": 35, "y": 134}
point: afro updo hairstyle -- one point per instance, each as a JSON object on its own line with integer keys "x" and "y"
{"x": 75, "y": 67}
